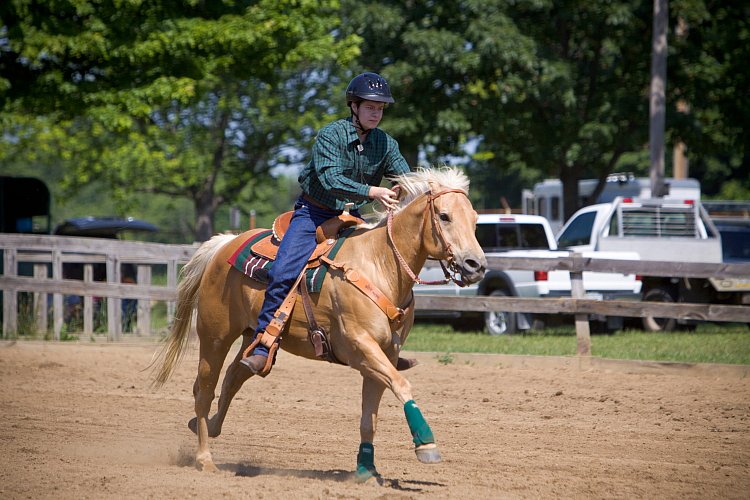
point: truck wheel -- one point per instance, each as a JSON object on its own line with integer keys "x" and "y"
{"x": 499, "y": 322}
{"x": 652, "y": 324}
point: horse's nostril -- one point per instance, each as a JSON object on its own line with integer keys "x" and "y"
{"x": 472, "y": 265}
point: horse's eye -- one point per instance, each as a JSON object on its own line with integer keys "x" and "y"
{"x": 445, "y": 217}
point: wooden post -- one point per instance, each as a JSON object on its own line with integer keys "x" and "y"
{"x": 40, "y": 301}
{"x": 57, "y": 298}
{"x": 171, "y": 283}
{"x": 143, "y": 321}
{"x": 88, "y": 301}
{"x": 113, "y": 316}
{"x": 10, "y": 295}
{"x": 583, "y": 332}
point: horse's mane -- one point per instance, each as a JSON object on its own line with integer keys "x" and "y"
{"x": 420, "y": 181}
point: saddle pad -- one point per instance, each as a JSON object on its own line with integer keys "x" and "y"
{"x": 257, "y": 267}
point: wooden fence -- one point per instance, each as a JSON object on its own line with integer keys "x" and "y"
{"x": 45, "y": 258}
{"x": 581, "y": 307}
{"x": 48, "y": 254}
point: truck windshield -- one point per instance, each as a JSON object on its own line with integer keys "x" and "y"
{"x": 578, "y": 231}
{"x": 500, "y": 237}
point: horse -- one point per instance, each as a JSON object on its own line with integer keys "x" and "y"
{"x": 434, "y": 219}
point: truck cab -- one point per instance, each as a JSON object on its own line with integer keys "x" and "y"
{"x": 528, "y": 236}
{"x": 635, "y": 224}
{"x": 508, "y": 235}
{"x": 663, "y": 230}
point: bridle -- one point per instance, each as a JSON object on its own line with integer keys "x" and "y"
{"x": 450, "y": 263}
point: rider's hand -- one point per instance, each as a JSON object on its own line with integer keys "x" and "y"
{"x": 387, "y": 197}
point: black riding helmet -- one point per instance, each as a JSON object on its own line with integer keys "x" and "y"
{"x": 370, "y": 87}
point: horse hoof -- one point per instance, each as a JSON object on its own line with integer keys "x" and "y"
{"x": 428, "y": 453}
{"x": 205, "y": 465}
{"x": 406, "y": 363}
{"x": 366, "y": 474}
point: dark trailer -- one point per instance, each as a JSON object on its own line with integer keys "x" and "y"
{"x": 24, "y": 205}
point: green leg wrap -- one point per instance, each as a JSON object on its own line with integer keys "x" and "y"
{"x": 420, "y": 431}
{"x": 366, "y": 462}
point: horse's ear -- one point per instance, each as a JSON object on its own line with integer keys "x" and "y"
{"x": 434, "y": 186}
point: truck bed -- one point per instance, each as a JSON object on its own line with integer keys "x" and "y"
{"x": 666, "y": 248}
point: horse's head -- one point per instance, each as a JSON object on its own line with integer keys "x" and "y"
{"x": 450, "y": 220}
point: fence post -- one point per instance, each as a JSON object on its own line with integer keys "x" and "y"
{"x": 171, "y": 283}
{"x": 583, "y": 332}
{"x": 10, "y": 295}
{"x": 88, "y": 301}
{"x": 57, "y": 298}
{"x": 113, "y": 318}
{"x": 40, "y": 301}
{"x": 143, "y": 318}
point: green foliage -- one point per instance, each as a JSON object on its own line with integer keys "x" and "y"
{"x": 708, "y": 78}
{"x": 187, "y": 107}
{"x": 551, "y": 88}
{"x": 445, "y": 359}
{"x": 183, "y": 99}
{"x": 556, "y": 89}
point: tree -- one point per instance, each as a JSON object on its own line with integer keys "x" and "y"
{"x": 186, "y": 98}
{"x": 550, "y": 88}
{"x": 710, "y": 111}
{"x": 556, "y": 88}
{"x": 421, "y": 48}
{"x": 581, "y": 103}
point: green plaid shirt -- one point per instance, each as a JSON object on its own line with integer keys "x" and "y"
{"x": 338, "y": 173}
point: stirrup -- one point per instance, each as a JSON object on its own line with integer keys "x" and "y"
{"x": 270, "y": 360}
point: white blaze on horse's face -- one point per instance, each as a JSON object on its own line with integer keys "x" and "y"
{"x": 456, "y": 237}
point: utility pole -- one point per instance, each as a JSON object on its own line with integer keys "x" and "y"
{"x": 657, "y": 101}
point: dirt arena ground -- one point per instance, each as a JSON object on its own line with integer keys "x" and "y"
{"x": 81, "y": 421}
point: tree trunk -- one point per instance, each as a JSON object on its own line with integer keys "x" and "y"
{"x": 205, "y": 210}
{"x": 658, "y": 99}
{"x": 569, "y": 179}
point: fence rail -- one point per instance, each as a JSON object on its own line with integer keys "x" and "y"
{"x": 48, "y": 254}
{"x": 578, "y": 263}
{"x": 36, "y": 264}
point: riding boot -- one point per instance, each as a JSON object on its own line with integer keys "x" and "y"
{"x": 257, "y": 359}
{"x": 255, "y": 362}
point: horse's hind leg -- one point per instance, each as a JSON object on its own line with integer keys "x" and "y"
{"x": 212, "y": 355}
{"x": 233, "y": 380}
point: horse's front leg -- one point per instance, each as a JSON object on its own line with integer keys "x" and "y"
{"x": 376, "y": 365}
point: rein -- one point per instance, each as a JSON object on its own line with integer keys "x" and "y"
{"x": 451, "y": 264}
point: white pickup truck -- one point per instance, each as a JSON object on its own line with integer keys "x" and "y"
{"x": 515, "y": 235}
{"x": 658, "y": 230}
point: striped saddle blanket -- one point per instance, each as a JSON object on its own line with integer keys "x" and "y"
{"x": 256, "y": 265}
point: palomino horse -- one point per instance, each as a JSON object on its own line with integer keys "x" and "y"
{"x": 435, "y": 219}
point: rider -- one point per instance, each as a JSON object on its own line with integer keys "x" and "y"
{"x": 350, "y": 157}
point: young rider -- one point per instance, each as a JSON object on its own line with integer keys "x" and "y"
{"x": 350, "y": 157}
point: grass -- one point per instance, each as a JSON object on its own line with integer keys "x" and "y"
{"x": 710, "y": 343}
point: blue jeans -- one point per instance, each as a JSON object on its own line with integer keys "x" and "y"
{"x": 295, "y": 250}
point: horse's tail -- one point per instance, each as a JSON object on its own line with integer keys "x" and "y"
{"x": 187, "y": 300}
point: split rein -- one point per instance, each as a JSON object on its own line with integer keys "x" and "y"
{"x": 451, "y": 264}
